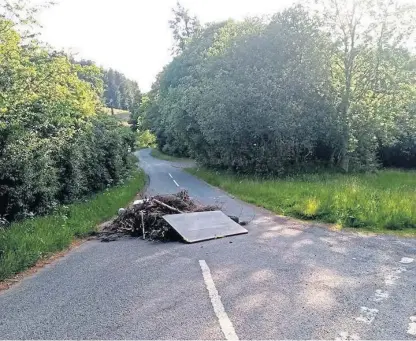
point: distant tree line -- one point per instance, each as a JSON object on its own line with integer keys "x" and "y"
{"x": 119, "y": 91}
{"x": 331, "y": 85}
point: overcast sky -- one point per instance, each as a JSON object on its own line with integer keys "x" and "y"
{"x": 133, "y": 36}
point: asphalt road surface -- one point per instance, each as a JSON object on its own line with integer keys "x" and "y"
{"x": 284, "y": 280}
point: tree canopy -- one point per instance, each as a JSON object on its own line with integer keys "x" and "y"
{"x": 120, "y": 92}
{"x": 328, "y": 86}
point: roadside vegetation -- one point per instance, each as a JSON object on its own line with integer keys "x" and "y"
{"x": 26, "y": 242}
{"x": 57, "y": 145}
{"x": 156, "y": 153}
{"x": 330, "y": 85}
{"x": 320, "y": 97}
{"x": 378, "y": 202}
{"x": 65, "y": 163}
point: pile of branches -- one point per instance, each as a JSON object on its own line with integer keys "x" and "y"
{"x": 145, "y": 219}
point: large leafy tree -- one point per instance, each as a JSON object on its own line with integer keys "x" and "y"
{"x": 183, "y": 26}
{"x": 370, "y": 70}
{"x": 239, "y": 94}
{"x": 297, "y": 91}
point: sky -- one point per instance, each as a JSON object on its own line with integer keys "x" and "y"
{"x": 133, "y": 36}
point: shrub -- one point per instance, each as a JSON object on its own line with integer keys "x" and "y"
{"x": 145, "y": 139}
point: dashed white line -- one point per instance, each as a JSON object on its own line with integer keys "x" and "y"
{"x": 176, "y": 183}
{"x": 171, "y": 176}
{"x": 225, "y": 323}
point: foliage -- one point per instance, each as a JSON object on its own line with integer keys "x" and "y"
{"x": 120, "y": 92}
{"x": 54, "y": 147}
{"x": 300, "y": 91}
{"x": 26, "y": 242}
{"x": 145, "y": 139}
{"x": 378, "y": 202}
{"x": 183, "y": 27}
{"x": 373, "y": 82}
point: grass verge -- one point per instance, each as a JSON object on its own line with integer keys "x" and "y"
{"x": 156, "y": 153}
{"x": 382, "y": 202}
{"x": 24, "y": 243}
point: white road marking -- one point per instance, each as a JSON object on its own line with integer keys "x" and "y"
{"x": 367, "y": 315}
{"x": 225, "y": 323}
{"x": 345, "y": 336}
{"x": 412, "y": 326}
{"x": 380, "y": 295}
{"x": 176, "y": 183}
{"x": 171, "y": 176}
{"x": 406, "y": 260}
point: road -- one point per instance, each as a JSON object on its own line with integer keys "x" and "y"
{"x": 284, "y": 280}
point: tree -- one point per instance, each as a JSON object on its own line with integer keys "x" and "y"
{"x": 112, "y": 91}
{"x": 120, "y": 92}
{"x": 21, "y": 16}
{"x": 183, "y": 26}
{"x": 136, "y": 111}
{"x": 239, "y": 94}
{"x": 369, "y": 35}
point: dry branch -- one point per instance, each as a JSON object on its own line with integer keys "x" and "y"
{"x": 146, "y": 219}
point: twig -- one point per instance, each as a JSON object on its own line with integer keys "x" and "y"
{"x": 167, "y": 206}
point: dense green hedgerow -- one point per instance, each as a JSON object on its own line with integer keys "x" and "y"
{"x": 55, "y": 146}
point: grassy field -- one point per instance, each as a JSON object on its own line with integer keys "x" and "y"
{"x": 159, "y": 155}
{"x": 381, "y": 202}
{"x": 26, "y": 242}
{"x": 122, "y": 115}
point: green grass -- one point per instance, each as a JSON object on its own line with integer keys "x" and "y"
{"x": 380, "y": 202}
{"x": 120, "y": 114}
{"x": 116, "y": 111}
{"x": 159, "y": 155}
{"x": 26, "y": 242}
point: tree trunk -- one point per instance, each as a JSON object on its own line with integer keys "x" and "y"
{"x": 345, "y": 158}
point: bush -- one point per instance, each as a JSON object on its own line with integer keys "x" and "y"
{"x": 145, "y": 139}
{"x": 36, "y": 174}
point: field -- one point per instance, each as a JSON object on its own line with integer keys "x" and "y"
{"x": 380, "y": 202}
{"x": 122, "y": 115}
{"x": 24, "y": 243}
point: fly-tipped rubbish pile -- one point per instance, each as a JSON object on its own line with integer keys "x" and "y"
{"x": 145, "y": 219}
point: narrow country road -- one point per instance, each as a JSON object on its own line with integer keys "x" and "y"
{"x": 284, "y": 280}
